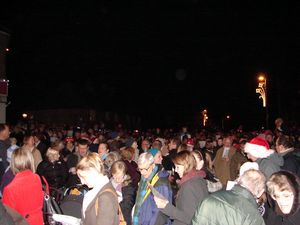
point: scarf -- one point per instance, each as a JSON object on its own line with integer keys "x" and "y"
{"x": 142, "y": 190}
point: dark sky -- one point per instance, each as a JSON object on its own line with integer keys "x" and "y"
{"x": 159, "y": 59}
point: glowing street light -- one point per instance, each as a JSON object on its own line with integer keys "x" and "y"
{"x": 262, "y": 91}
{"x": 24, "y": 115}
{"x": 205, "y": 117}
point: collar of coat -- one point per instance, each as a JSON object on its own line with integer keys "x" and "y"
{"x": 241, "y": 191}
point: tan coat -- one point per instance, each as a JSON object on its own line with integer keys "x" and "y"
{"x": 37, "y": 157}
{"x": 222, "y": 165}
{"x": 103, "y": 210}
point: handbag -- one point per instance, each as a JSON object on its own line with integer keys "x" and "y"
{"x": 50, "y": 206}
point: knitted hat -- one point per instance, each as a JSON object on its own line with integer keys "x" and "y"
{"x": 153, "y": 151}
{"x": 259, "y": 148}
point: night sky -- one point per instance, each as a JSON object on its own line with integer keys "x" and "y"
{"x": 162, "y": 60}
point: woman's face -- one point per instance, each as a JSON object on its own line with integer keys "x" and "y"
{"x": 102, "y": 149}
{"x": 88, "y": 177}
{"x": 179, "y": 169}
{"x": 285, "y": 201}
{"x": 118, "y": 177}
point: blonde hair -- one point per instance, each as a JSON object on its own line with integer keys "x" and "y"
{"x": 127, "y": 153}
{"x": 120, "y": 167}
{"x": 280, "y": 182}
{"x": 22, "y": 159}
{"x": 91, "y": 161}
{"x": 52, "y": 154}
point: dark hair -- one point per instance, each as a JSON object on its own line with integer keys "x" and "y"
{"x": 83, "y": 142}
{"x": 283, "y": 140}
{"x": 3, "y": 126}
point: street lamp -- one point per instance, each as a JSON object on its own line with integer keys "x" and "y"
{"x": 205, "y": 117}
{"x": 262, "y": 91}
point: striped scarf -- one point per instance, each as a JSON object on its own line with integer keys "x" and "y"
{"x": 140, "y": 196}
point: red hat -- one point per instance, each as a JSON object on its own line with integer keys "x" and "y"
{"x": 259, "y": 148}
{"x": 190, "y": 141}
{"x": 69, "y": 139}
{"x": 268, "y": 132}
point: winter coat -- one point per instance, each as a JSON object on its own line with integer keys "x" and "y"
{"x": 55, "y": 173}
{"x": 237, "y": 206}
{"x": 192, "y": 191}
{"x": 132, "y": 170}
{"x": 149, "y": 213}
{"x": 290, "y": 162}
{"x": 25, "y": 195}
{"x": 270, "y": 165}
{"x": 103, "y": 210}
{"x": 127, "y": 203}
{"x": 238, "y": 159}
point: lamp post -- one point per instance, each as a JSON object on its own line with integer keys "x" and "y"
{"x": 205, "y": 117}
{"x": 262, "y": 91}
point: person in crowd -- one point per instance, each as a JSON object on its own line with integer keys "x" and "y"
{"x": 24, "y": 193}
{"x": 238, "y": 159}
{"x": 127, "y": 155}
{"x": 126, "y": 191}
{"x": 103, "y": 150}
{"x": 285, "y": 148}
{"x": 268, "y": 160}
{"x": 222, "y": 161}
{"x": 190, "y": 144}
{"x": 28, "y": 143}
{"x": 213, "y": 183}
{"x": 69, "y": 147}
{"x": 145, "y": 146}
{"x": 237, "y": 206}
{"x": 39, "y": 144}
{"x": 131, "y": 142}
{"x": 110, "y": 159}
{"x": 157, "y": 144}
{"x": 283, "y": 187}
{"x": 12, "y": 148}
{"x": 4, "y": 145}
{"x": 100, "y": 204}
{"x": 74, "y": 158}
{"x": 172, "y": 151}
{"x": 157, "y": 155}
{"x": 53, "y": 169}
{"x": 145, "y": 211}
{"x": 192, "y": 190}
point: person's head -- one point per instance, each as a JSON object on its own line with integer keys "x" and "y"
{"x": 199, "y": 159}
{"x": 22, "y": 159}
{"x": 190, "y": 144}
{"x": 119, "y": 172}
{"x": 52, "y": 155}
{"x": 111, "y": 158}
{"x": 258, "y": 148}
{"x": 282, "y": 143}
{"x": 103, "y": 149}
{"x": 69, "y": 142}
{"x": 38, "y": 137}
{"x": 254, "y": 181}
{"x": 89, "y": 169}
{"x": 58, "y": 145}
{"x": 174, "y": 143}
{"x": 13, "y": 141}
{"x": 220, "y": 141}
{"x": 4, "y": 131}
{"x": 28, "y": 141}
{"x": 227, "y": 142}
{"x": 130, "y": 142}
{"x": 156, "y": 154}
{"x": 157, "y": 144}
{"x": 184, "y": 162}
{"x": 127, "y": 153}
{"x": 146, "y": 164}
{"x": 283, "y": 186}
{"x": 278, "y": 122}
{"x": 83, "y": 147}
{"x": 145, "y": 144}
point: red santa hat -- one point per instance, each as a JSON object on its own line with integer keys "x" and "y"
{"x": 259, "y": 148}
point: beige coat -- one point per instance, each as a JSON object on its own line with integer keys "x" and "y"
{"x": 222, "y": 165}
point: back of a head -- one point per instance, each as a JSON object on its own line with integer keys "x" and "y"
{"x": 254, "y": 181}
{"x": 22, "y": 159}
{"x": 91, "y": 161}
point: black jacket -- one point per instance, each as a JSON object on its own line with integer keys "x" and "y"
{"x": 129, "y": 195}
{"x": 55, "y": 173}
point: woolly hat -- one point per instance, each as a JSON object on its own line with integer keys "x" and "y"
{"x": 153, "y": 151}
{"x": 259, "y": 148}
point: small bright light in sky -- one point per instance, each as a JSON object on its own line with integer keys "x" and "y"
{"x": 7, "y": 49}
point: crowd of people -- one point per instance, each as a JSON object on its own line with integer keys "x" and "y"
{"x": 152, "y": 177}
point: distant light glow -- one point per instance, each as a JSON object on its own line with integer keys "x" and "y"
{"x": 7, "y": 49}
{"x": 24, "y": 115}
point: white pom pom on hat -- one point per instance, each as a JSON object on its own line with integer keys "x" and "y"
{"x": 259, "y": 148}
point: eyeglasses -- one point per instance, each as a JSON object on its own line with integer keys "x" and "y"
{"x": 145, "y": 169}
